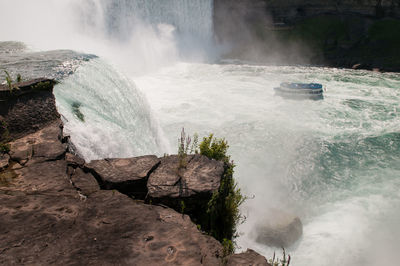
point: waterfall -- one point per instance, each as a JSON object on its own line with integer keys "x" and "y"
{"x": 137, "y": 35}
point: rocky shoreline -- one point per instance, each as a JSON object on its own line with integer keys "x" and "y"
{"x": 57, "y": 209}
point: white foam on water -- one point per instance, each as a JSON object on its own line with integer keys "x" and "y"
{"x": 334, "y": 163}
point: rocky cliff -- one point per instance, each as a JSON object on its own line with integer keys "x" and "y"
{"x": 342, "y": 33}
{"x": 57, "y": 209}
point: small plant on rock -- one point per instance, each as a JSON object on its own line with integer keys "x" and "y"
{"x": 9, "y": 81}
{"x": 285, "y": 261}
{"x": 183, "y": 149}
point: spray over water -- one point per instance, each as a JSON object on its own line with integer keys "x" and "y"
{"x": 334, "y": 163}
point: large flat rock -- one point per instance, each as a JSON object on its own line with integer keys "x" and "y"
{"x": 107, "y": 228}
{"x": 200, "y": 176}
{"x": 128, "y": 175}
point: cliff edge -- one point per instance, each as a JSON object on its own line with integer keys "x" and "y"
{"x": 57, "y": 209}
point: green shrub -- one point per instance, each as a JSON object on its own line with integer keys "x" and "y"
{"x": 214, "y": 148}
{"x": 44, "y": 85}
{"x": 9, "y": 81}
{"x": 228, "y": 247}
{"x": 223, "y": 208}
{"x": 222, "y": 211}
{"x": 4, "y": 147}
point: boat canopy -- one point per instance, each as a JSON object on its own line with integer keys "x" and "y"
{"x": 301, "y": 85}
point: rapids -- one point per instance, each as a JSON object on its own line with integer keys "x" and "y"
{"x": 335, "y": 163}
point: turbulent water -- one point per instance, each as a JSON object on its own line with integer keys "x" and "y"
{"x": 335, "y": 163}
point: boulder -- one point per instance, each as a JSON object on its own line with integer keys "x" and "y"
{"x": 281, "y": 229}
{"x": 127, "y": 175}
{"x": 250, "y": 257}
{"x": 199, "y": 176}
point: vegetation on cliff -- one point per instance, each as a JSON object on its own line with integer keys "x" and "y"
{"x": 222, "y": 211}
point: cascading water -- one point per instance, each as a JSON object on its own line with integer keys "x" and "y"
{"x": 106, "y": 116}
{"x": 335, "y": 163}
{"x": 137, "y": 35}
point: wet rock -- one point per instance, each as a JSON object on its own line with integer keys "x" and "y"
{"x": 250, "y": 257}
{"x": 4, "y": 159}
{"x": 128, "y": 175}
{"x": 200, "y": 176}
{"x": 280, "y": 229}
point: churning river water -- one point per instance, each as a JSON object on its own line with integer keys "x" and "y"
{"x": 335, "y": 163}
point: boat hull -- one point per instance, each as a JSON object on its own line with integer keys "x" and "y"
{"x": 312, "y": 91}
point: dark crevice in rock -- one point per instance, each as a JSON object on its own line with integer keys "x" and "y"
{"x": 97, "y": 177}
{"x": 128, "y": 176}
{"x": 70, "y": 173}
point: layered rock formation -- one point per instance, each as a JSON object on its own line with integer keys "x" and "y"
{"x": 344, "y": 33}
{"x": 55, "y": 209}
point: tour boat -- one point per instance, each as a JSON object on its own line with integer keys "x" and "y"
{"x": 300, "y": 90}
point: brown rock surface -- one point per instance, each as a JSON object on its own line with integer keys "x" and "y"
{"x": 43, "y": 145}
{"x": 52, "y": 212}
{"x": 200, "y": 176}
{"x": 84, "y": 182}
{"x": 250, "y": 257}
{"x": 28, "y": 109}
{"x": 49, "y": 217}
{"x": 128, "y": 175}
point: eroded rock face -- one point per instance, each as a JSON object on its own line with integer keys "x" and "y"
{"x": 43, "y": 145}
{"x": 200, "y": 176}
{"x": 128, "y": 175}
{"x": 29, "y": 108}
{"x": 281, "y": 229}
